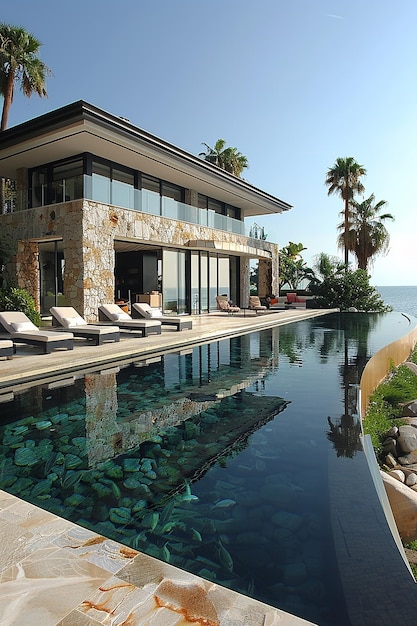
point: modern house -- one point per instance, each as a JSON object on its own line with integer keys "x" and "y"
{"x": 106, "y": 211}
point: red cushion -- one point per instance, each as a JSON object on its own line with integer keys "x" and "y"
{"x": 291, "y": 297}
{"x": 299, "y": 299}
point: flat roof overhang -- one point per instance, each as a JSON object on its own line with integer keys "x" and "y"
{"x": 81, "y": 127}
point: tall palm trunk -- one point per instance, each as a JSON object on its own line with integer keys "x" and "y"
{"x": 8, "y": 99}
{"x": 346, "y": 230}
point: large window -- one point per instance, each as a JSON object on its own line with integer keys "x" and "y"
{"x": 174, "y": 281}
{"x": 67, "y": 181}
{"x": 94, "y": 178}
{"x": 57, "y": 182}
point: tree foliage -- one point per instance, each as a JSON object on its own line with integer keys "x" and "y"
{"x": 293, "y": 270}
{"x": 19, "y": 63}
{"x": 343, "y": 288}
{"x": 14, "y": 299}
{"x": 367, "y": 235}
{"x": 343, "y": 178}
{"x": 227, "y": 158}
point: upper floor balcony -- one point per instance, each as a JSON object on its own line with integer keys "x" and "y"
{"x": 123, "y": 195}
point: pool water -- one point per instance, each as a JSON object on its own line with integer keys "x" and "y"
{"x": 214, "y": 459}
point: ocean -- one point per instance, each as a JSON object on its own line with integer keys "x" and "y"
{"x": 402, "y": 299}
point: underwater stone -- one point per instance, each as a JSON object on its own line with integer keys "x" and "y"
{"x": 290, "y": 521}
{"x": 131, "y": 483}
{"x": 74, "y": 500}
{"x": 131, "y": 465}
{"x": 41, "y": 488}
{"x": 295, "y": 574}
{"x": 25, "y": 457}
{"x": 43, "y": 424}
{"x": 120, "y": 515}
{"x": 72, "y": 461}
{"x": 56, "y": 419}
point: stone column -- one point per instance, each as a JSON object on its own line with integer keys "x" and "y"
{"x": 244, "y": 281}
{"x": 27, "y": 269}
{"x": 264, "y": 277}
{"x": 274, "y": 285}
{"x": 99, "y": 226}
{"x": 88, "y": 243}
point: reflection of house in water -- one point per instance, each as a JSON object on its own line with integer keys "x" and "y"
{"x": 125, "y": 409}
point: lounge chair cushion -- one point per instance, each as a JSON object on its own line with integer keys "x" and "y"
{"x": 120, "y": 316}
{"x": 224, "y": 305}
{"x": 72, "y": 322}
{"x": 20, "y": 327}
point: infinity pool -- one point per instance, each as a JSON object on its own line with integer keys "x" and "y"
{"x": 214, "y": 459}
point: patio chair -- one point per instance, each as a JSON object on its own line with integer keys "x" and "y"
{"x": 224, "y": 305}
{"x": 255, "y": 304}
{"x": 143, "y": 310}
{"x": 22, "y": 330}
{"x": 112, "y": 313}
{"x": 67, "y": 318}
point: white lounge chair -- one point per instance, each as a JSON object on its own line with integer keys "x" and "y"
{"x": 113, "y": 313}
{"x": 7, "y": 348}
{"x": 67, "y": 318}
{"x": 22, "y": 330}
{"x": 143, "y": 310}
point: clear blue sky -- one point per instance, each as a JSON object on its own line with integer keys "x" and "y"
{"x": 292, "y": 84}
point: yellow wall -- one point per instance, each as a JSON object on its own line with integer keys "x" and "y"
{"x": 380, "y": 364}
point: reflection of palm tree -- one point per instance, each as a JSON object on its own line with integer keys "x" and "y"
{"x": 345, "y": 435}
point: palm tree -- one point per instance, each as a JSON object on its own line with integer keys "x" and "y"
{"x": 367, "y": 236}
{"x": 19, "y": 62}
{"x": 344, "y": 179}
{"x": 229, "y": 159}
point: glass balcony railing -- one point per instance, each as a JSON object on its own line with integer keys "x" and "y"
{"x": 150, "y": 202}
{"x": 117, "y": 193}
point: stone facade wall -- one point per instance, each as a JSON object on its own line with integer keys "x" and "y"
{"x": 88, "y": 230}
{"x": 27, "y": 269}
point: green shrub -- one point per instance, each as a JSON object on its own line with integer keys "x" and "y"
{"x": 346, "y": 288}
{"x": 13, "y": 299}
{"x": 385, "y": 404}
